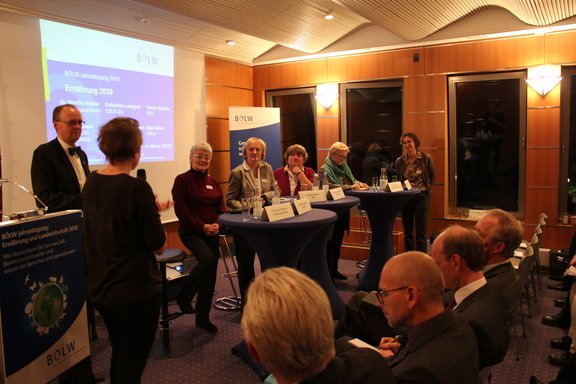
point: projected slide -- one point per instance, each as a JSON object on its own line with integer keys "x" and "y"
{"x": 105, "y": 76}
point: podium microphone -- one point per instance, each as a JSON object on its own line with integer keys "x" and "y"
{"x": 25, "y": 214}
{"x": 141, "y": 174}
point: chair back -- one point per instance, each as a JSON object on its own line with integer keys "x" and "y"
{"x": 526, "y": 264}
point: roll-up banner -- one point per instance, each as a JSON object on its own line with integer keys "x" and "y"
{"x": 44, "y": 329}
{"x": 264, "y": 123}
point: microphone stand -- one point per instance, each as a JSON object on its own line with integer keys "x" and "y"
{"x": 24, "y": 214}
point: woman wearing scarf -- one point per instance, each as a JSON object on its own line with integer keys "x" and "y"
{"x": 336, "y": 172}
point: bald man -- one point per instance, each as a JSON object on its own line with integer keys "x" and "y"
{"x": 440, "y": 347}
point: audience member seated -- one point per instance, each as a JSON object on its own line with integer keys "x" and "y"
{"x": 198, "y": 201}
{"x": 294, "y": 173}
{"x": 284, "y": 324}
{"x": 336, "y": 172}
{"x": 440, "y": 346}
{"x": 459, "y": 252}
{"x": 502, "y": 234}
{"x": 566, "y": 375}
{"x": 122, "y": 231}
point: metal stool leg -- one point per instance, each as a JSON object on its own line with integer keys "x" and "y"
{"x": 365, "y": 240}
{"x": 228, "y": 303}
{"x": 167, "y": 347}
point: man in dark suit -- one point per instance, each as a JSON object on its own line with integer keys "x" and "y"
{"x": 459, "y": 252}
{"x": 502, "y": 234}
{"x": 440, "y": 347}
{"x": 59, "y": 170}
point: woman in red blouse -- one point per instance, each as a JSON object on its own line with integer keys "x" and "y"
{"x": 198, "y": 202}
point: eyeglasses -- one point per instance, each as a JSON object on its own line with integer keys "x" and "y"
{"x": 381, "y": 295}
{"x": 72, "y": 123}
{"x": 341, "y": 157}
{"x": 200, "y": 157}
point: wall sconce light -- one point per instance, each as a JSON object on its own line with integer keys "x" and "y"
{"x": 327, "y": 94}
{"x": 543, "y": 78}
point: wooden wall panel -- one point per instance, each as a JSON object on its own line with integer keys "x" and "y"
{"x": 560, "y": 47}
{"x": 389, "y": 64}
{"x": 218, "y": 134}
{"x": 220, "y": 72}
{"x": 218, "y": 99}
{"x": 245, "y": 76}
{"x": 327, "y": 131}
{"x": 289, "y": 75}
{"x": 429, "y": 127}
{"x": 220, "y": 166}
{"x": 437, "y": 206}
{"x": 541, "y": 199}
{"x": 542, "y": 167}
{"x": 551, "y": 99}
{"x": 491, "y": 55}
{"x": 172, "y": 238}
{"x": 425, "y": 93}
{"x": 543, "y": 128}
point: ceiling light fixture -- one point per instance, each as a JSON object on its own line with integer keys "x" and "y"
{"x": 230, "y": 42}
{"x": 329, "y": 16}
{"x": 144, "y": 20}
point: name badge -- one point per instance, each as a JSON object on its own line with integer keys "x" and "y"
{"x": 336, "y": 194}
{"x": 396, "y": 186}
{"x": 209, "y": 187}
{"x": 277, "y": 212}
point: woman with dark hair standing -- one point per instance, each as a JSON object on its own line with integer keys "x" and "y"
{"x": 122, "y": 232}
{"x": 418, "y": 169}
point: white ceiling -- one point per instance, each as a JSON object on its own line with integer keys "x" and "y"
{"x": 275, "y": 30}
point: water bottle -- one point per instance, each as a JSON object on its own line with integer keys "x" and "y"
{"x": 316, "y": 183}
{"x": 324, "y": 182}
{"x": 257, "y": 203}
{"x": 275, "y": 193}
{"x": 383, "y": 179}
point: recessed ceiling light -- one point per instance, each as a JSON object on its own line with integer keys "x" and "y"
{"x": 230, "y": 42}
{"x": 144, "y": 20}
{"x": 329, "y": 16}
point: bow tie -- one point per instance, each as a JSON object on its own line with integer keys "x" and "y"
{"x": 74, "y": 151}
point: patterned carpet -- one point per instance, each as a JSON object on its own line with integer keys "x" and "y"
{"x": 210, "y": 360}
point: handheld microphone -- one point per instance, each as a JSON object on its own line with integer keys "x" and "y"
{"x": 141, "y": 174}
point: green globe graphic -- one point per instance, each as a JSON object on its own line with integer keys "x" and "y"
{"x": 48, "y": 305}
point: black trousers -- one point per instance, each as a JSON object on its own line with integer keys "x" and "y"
{"x": 202, "y": 278}
{"x": 415, "y": 216}
{"x": 131, "y": 330}
{"x": 245, "y": 256}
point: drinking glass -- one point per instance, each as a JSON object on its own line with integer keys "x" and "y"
{"x": 303, "y": 187}
{"x": 375, "y": 183}
{"x": 394, "y": 178}
{"x": 246, "y": 204}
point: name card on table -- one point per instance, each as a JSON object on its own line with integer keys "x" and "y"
{"x": 396, "y": 186}
{"x": 314, "y": 196}
{"x": 407, "y": 185}
{"x": 277, "y": 212}
{"x": 336, "y": 194}
{"x": 301, "y": 206}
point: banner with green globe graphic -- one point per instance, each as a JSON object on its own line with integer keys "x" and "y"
{"x": 42, "y": 301}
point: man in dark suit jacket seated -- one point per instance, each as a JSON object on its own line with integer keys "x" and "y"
{"x": 459, "y": 252}
{"x": 440, "y": 346}
{"x": 502, "y": 234}
{"x": 285, "y": 326}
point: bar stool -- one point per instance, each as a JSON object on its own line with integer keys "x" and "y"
{"x": 165, "y": 347}
{"x": 228, "y": 303}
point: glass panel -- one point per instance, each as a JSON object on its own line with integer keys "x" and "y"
{"x": 486, "y": 146}
{"x": 297, "y": 119}
{"x": 567, "y": 200}
{"x": 372, "y": 125}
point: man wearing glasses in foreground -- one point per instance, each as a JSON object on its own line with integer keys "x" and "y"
{"x": 59, "y": 170}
